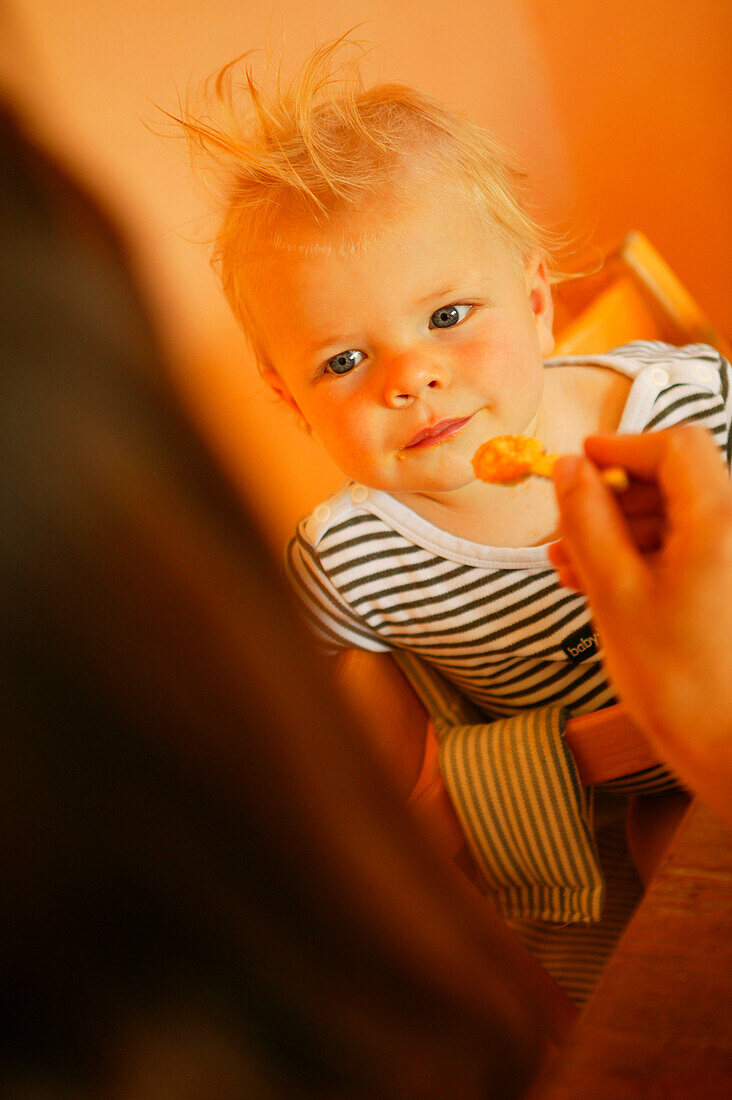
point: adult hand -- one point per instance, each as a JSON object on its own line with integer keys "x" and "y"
{"x": 656, "y": 565}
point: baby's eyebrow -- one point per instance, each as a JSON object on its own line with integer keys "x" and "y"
{"x": 328, "y": 342}
{"x": 442, "y": 292}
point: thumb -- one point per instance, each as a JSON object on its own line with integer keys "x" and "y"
{"x": 595, "y": 534}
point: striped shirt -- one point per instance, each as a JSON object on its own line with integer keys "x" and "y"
{"x": 493, "y": 621}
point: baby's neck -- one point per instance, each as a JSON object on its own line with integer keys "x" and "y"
{"x": 494, "y": 515}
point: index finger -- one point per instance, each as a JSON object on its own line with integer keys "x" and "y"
{"x": 600, "y": 547}
{"x": 683, "y": 460}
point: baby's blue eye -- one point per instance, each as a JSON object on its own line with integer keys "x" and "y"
{"x": 447, "y": 316}
{"x": 345, "y": 361}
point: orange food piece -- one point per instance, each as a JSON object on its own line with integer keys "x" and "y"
{"x": 507, "y": 457}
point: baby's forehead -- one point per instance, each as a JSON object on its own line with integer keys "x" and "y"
{"x": 350, "y": 228}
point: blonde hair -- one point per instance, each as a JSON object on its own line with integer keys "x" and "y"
{"x": 324, "y": 144}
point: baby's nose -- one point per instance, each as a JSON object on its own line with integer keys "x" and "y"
{"x": 409, "y": 374}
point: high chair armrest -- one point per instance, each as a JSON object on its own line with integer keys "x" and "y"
{"x": 607, "y": 744}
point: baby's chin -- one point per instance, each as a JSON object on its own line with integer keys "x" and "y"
{"x": 431, "y": 487}
{"x": 400, "y": 472}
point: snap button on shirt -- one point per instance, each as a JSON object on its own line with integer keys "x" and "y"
{"x": 359, "y": 493}
{"x": 660, "y": 376}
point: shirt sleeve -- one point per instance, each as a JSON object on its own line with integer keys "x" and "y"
{"x": 697, "y": 390}
{"x": 325, "y": 610}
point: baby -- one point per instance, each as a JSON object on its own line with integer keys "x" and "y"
{"x": 397, "y": 296}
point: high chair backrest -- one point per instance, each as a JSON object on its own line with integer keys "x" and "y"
{"x": 635, "y": 296}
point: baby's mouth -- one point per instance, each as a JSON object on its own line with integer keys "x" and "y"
{"x": 433, "y": 434}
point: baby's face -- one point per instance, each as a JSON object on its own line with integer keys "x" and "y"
{"x": 406, "y": 354}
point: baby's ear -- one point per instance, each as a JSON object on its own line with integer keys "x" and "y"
{"x": 540, "y": 300}
{"x": 275, "y": 383}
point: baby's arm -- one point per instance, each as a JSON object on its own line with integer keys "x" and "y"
{"x": 404, "y": 740}
{"x": 394, "y": 718}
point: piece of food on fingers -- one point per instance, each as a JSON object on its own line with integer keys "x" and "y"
{"x": 506, "y": 459}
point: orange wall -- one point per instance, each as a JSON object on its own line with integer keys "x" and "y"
{"x": 643, "y": 93}
{"x": 619, "y": 110}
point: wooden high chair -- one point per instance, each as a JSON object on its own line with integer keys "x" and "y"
{"x": 634, "y": 296}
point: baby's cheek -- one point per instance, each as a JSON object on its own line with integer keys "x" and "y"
{"x": 519, "y": 377}
{"x": 474, "y": 357}
{"x": 351, "y": 444}
{"x": 489, "y": 365}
